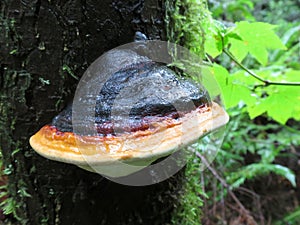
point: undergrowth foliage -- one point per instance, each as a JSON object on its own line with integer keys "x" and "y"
{"x": 266, "y": 142}
{"x": 269, "y": 82}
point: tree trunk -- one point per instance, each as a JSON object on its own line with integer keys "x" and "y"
{"x": 45, "y": 45}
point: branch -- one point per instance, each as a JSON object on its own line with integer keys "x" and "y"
{"x": 225, "y": 185}
{"x": 266, "y": 82}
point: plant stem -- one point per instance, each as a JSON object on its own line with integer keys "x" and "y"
{"x": 245, "y": 212}
{"x": 266, "y": 82}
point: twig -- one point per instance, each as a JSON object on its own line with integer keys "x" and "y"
{"x": 257, "y": 203}
{"x": 204, "y": 191}
{"x": 224, "y": 184}
{"x": 266, "y": 82}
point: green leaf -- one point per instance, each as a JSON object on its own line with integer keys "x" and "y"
{"x": 281, "y": 104}
{"x": 292, "y": 75}
{"x": 253, "y": 170}
{"x": 233, "y": 35}
{"x": 257, "y": 38}
{"x": 238, "y": 48}
{"x": 289, "y": 34}
{"x": 260, "y": 53}
{"x": 292, "y": 218}
{"x": 285, "y": 172}
{"x": 234, "y": 89}
{"x": 209, "y": 82}
{"x": 213, "y": 42}
{"x": 272, "y": 107}
{"x": 258, "y": 109}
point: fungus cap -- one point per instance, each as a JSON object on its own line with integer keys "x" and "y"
{"x": 171, "y": 114}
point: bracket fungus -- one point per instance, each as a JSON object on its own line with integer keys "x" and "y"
{"x": 158, "y": 113}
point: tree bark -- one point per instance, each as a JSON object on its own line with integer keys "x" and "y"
{"x": 45, "y": 45}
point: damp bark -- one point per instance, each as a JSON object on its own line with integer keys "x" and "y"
{"x": 45, "y": 47}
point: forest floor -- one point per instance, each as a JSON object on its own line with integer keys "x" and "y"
{"x": 268, "y": 199}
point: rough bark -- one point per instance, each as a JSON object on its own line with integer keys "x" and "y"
{"x": 44, "y": 45}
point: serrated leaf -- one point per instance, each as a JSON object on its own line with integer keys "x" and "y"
{"x": 258, "y": 109}
{"x": 234, "y": 94}
{"x": 259, "y": 33}
{"x": 232, "y": 87}
{"x": 257, "y": 37}
{"x": 281, "y": 104}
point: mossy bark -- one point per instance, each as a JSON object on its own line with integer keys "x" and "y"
{"x": 44, "y": 46}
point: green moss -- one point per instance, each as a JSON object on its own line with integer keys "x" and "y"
{"x": 189, "y": 211}
{"x": 186, "y": 22}
{"x": 69, "y": 71}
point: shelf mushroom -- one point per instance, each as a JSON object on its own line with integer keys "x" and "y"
{"x": 157, "y": 114}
